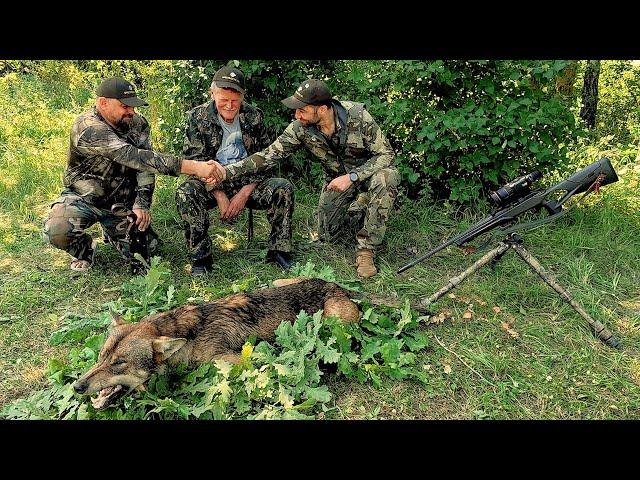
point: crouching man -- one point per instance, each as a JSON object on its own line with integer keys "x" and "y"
{"x": 110, "y": 162}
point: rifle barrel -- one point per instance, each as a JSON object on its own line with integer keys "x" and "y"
{"x": 463, "y": 237}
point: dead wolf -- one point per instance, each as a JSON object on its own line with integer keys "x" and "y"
{"x": 194, "y": 334}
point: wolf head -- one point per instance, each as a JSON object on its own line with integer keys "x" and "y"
{"x": 130, "y": 354}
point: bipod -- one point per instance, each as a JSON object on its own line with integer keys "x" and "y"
{"x": 516, "y": 242}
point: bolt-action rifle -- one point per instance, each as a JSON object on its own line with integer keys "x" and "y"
{"x": 517, "y": 197}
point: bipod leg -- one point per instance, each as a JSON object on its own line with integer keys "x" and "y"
{"x": 600, "y": 331}
{"x": 455, "y": 281}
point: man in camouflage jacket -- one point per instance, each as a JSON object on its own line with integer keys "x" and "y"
{"x": 360, "y": 181}
{"x": 110, "y": 161}
{"x": 229, "y": 129}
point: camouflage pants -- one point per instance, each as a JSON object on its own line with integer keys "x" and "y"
{"x": 70, "y": 216}
{"x": 366, "y": 205}
{"x": 194, "y": 202}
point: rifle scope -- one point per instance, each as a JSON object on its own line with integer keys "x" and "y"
{"x": 512, "y": 190}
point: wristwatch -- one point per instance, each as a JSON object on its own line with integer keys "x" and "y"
{"x": 353, "y": 176}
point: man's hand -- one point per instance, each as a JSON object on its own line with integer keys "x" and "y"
{"x": 339, "y": 184}
{"x": 143, "y": 218}
{"x": 223, "y": 201}
{"x": 217, "y": 173}
{"x": 238, "y": 202}
{"x": 210, "y": 171}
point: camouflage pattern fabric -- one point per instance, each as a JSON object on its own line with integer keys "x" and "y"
{"x": 364, "y": 205}
{"x": 202, "y": 139}
{"x": 194, "y": 201}
{"x": 107, "y": 166}
{"x": 70, "y": 216}
{"x": 363, "y": 148}
{"x": 203, "y": 136}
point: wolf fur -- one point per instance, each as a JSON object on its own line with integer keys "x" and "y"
{"x": 194, "y": 334}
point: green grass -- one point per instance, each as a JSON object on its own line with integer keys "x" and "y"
{"x": 550, "y": 366}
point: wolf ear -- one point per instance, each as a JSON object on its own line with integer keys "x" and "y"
{"x": 166, "y": 346}
{"x": 116, "y": 319}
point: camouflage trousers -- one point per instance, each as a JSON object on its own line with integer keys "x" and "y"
{"x": 365, "y": 206}
{"x": 70, "y": 216}
{"x": 275, "y": 195}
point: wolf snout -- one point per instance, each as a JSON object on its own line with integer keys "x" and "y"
{"x": 80, "y": 386}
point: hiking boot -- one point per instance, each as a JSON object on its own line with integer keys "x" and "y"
{"x": 364, "y": 262}
{"x": 201, "y": 267}
{"x": 284, "y": 259}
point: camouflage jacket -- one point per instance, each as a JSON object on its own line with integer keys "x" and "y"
{"x": 361, "y": 145}
{"x": 203, "y": 137}
{"x": 107, "y": 166}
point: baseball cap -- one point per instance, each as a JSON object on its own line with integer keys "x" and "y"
{"x": 310, "y": 92}
{"x": 117, "y": 87}
{"x": 229, "y": 77}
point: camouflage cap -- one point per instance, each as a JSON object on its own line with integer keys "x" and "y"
{"x": 117, "y": 87}
{"x": 310, "y": 92}
{"x": 229, "y": 77}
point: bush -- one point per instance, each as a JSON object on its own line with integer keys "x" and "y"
{"x": 459, "y": 128}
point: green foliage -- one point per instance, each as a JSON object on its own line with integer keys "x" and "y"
{"x": 383, "y": 344}
{"x": 309, "y": 270}
{"x": 283, "y": 380}
{"x": 618, "y": 112}
{"x": 76, "y": 328}
{"x": 459, "y": 127}
{"x": 35, "y": 117}
{"x": 593, "y": 251}
{"x": 148, "y": 294}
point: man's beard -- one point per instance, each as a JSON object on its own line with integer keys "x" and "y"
{"x": 124, "y": 124}
{"x": 312, "y": 123}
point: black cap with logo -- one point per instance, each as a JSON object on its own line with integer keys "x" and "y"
{"x": 229, "y": 77}
{"x": 117, "y": 87}
{"x": 310, "y": 92}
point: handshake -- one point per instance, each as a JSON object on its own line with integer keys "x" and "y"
{"x": 210, "y": 171}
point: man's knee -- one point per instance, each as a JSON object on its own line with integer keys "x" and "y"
{"x": 385, "y": 178}
{"x": 282, "y": 188}
{"x": 276, "y": 185}
{"x": 57, "y": 231}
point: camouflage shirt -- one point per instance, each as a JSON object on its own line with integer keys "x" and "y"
{"x": 107, "y": 166}
{"x": 357, "y": 145}
{"x": 203, "y": 136}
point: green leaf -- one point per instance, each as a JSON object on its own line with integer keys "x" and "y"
{"x": 390, "y": 350}
{"x": 369, "y": 349}
{"x": 320, "y": 394}
{"x": 405, "y": 318}
{"x": 416, "y": 341}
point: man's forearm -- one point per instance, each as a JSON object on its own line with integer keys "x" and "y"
{"x": 248, "y": 189}
{"x": 219, "y": 194}
{"x": 255, "y": 163}
{"x": 189, "y": 167}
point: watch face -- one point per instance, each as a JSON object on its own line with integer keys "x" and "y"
{"x": 353, "y": 176}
